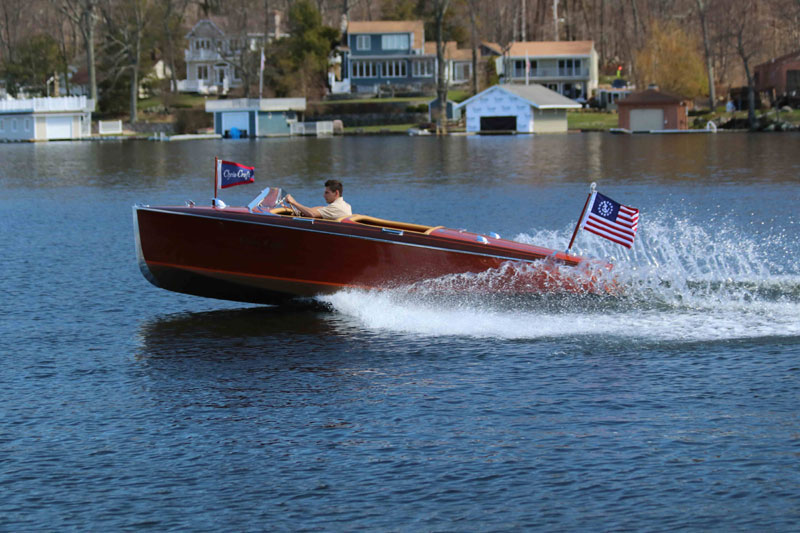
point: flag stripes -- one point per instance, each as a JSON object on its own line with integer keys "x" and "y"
{"x": 611, "y": 220}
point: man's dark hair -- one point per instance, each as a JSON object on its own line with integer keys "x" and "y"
{"x": 335, "y": 185}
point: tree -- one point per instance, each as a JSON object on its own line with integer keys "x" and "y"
{"x": 172, "y": 15}
{"x": 745, "y": 41}
{"x": 472, "y": 5}
{"x": 670, "y": 59}
{"x": 83, "y": 14}
{"x": 439, "y": 10}
{"x": 702, "y": 14}
{"x": 126, "y": 35}
{"x": 307, "y": 47}
{"x": 37, "y": 60}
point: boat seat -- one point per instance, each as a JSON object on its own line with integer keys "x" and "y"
{"x": 391, "y": 224}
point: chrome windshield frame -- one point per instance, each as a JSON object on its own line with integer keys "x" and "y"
{"x": 262, "y": 195}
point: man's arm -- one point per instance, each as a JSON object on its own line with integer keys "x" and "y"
{"x": 307, "y": 211}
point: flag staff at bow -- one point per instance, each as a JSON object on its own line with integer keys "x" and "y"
{"x": 227, "y": 174}
{"x": 607, "y": 218}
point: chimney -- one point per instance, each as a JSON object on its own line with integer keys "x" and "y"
{"x": 277, "y": 19}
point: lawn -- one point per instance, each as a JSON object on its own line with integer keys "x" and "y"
{"x": 391, "y": 128}
{"x": 178, "y": 100}
{"x": 591, "y": 120}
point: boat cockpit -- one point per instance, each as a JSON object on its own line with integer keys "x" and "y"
{"x": 271, "y": 201}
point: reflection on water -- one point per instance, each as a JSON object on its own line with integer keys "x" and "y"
{"x": 239, "y": 333}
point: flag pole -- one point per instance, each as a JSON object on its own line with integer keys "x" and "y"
{"x": 580, "y": 218}
{"x": 216, "y": 178}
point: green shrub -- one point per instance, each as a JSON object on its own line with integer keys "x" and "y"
{"x": 191, "y": 120}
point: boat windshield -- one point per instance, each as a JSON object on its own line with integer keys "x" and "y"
{"x": 269, "y": 198}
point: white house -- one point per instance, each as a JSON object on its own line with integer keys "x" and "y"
{"x": 211, "y": 57}
{"x": 46, "y": 119}
{"x": 567, "y": 67}
{"x": 520, "y": 108}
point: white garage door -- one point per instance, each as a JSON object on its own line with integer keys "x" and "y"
{"x": 58, "y": 128}
{"x": 647, "y": 119}
{"x": 238, "y": 119}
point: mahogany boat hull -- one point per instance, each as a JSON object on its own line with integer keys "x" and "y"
{"x": 233, "y": 254}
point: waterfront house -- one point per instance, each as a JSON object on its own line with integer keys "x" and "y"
{"x": 254, "y": 117}
{"x": 384, "y": 53}
{"x": 566, "y": 67}
{"x": 779, "y": 77}
{"x": 46, "y": 119}
{"x": 519, "y": 108}
{"x": 458, "y": 62}
{"x": 213, "y": 56}
{"x": 653, "y": 110}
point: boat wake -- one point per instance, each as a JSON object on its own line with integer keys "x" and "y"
{"x": 680, "y": 282}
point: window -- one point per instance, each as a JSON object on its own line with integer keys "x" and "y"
{"x": 202, "y": 44}
{"x": 27, "y": 124}
{"x": 2, "y": 125}
{"x": 363, "y": 42}
{"x": 365, "y": 69}
{"x": 202, "y": 72}
{"x": 461, "y": 71}
{"x": 394, "y": 69}
{"x": 398, "y": 41}
{"x": 422, "y": 68}
{"x": 13, "y": 124}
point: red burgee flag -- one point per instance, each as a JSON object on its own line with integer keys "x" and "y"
{"x": 610, "y": 219}
{"x": 230, "y": 174}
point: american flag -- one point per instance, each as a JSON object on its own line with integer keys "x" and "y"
{"x": 610, "y": 219}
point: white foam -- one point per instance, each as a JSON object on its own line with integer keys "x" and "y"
{"x": 682, "y": 283}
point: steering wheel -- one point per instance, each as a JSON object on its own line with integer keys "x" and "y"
{"x": 286, "y": 205}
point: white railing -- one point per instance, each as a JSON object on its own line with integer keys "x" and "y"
{"x": 553, "y": 72}
{"x": 64, "y": 103}
{"x": 322, "y": 128}
{"x": 109, "y": 127}
{"x": 197, "y": 86}
{"x": 204, "y": 54}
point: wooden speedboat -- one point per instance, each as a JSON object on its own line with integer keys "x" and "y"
{"x": 264, "y": 253}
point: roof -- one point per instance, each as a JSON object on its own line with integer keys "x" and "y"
{"x": 417, "y": 27}
{"x": 650, "y": 96}
{"x": 255, "y": 104}
{"x": 791, "y": 56}
{"x": 451, "y": 51}
{"x": 220, "y": 26}
{"x": 494, "y": 47}
{"x": 539, "y": 96}
{"x": 551, "y": 48}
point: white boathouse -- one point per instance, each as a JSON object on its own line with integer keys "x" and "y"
{"x": 518, "y": 108}
{"x": 254, "y": 117}
{"x": 46, "y": 119}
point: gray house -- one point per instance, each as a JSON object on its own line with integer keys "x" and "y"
{"x": 519, "y": 108}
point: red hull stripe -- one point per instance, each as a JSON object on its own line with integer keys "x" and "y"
{"x": 261, "y": 276}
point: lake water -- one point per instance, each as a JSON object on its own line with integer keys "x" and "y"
{"x": 127, "y": 407}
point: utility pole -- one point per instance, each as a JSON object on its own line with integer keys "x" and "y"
{"x": 523, "y": 22}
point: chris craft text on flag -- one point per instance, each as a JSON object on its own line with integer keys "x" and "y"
{"x": 230, "y": 174}
{"x": 610, "y": 219}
